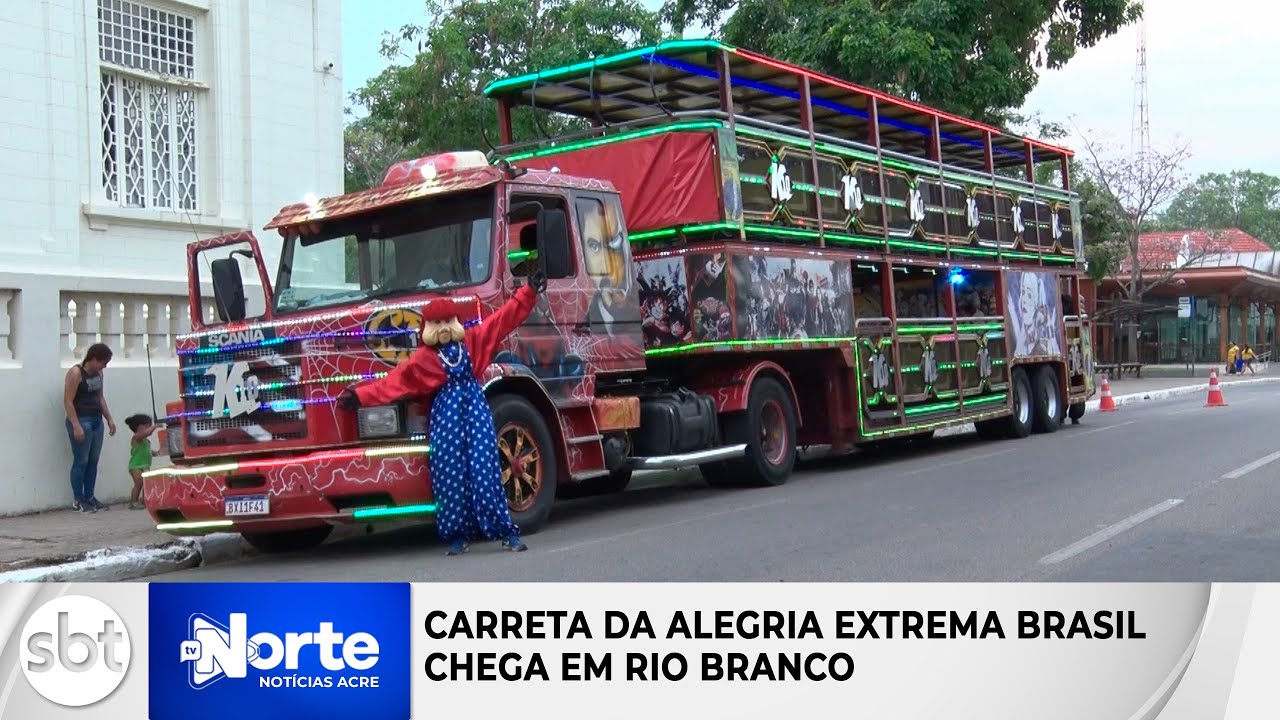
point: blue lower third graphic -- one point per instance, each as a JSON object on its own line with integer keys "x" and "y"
{"x": 324, "y": 650}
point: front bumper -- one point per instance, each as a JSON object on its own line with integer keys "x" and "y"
{"x": 336, "y": 487}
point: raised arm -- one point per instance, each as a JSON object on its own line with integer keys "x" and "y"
{"x": 419, "y": 375}
{"x": 485, "y": 339}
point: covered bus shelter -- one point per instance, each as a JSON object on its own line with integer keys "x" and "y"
{"x": 1221, "y": 288}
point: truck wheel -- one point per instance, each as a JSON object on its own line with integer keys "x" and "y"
{"x": 614, "y": 482}
{"x": 1020, "y": 422}
{"x": 283, "y": 541}
{"x": 1075, "y": 412}
{"x": 527, "y": 459}
{"x": 768, "y": 427}
{"x": 1048, "y": 408}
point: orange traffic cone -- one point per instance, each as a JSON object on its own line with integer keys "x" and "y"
{"x": 1107, "y": 403}
{"x": 1215, "y": 392}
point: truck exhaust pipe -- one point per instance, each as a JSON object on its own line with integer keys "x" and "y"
{"x": 669, "y": 462}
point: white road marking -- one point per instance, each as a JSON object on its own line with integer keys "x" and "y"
{"x": 1090, "y": 431}
{"x": 931, "y": 468}
{"x": 1109, "y": 532}
{"x": 664, "y": 526}
{"x": 1246, "y": 469}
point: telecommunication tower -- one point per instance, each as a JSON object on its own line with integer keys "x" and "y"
{"x": 1141, "y": 128}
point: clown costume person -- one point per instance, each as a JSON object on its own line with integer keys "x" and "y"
{"x": 466, "y": 477}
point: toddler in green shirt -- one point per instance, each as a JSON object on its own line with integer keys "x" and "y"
{"x": 140, "y": 454}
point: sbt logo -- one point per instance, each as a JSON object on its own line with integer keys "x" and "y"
{"x": 75, "y": 650}
{"x": 215, "y": 651}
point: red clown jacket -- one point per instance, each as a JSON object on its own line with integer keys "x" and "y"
{"x": 422, "y": 374}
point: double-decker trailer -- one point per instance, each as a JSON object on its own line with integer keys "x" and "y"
{"x": 742, "y": 256}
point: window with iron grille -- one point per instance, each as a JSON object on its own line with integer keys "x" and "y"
{"x": 150, "y": 106}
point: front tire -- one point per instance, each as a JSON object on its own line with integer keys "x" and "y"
{"x": 285, "y": 541}
{"x": 527, "y": 459}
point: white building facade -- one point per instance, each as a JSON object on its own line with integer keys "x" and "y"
{"x": 127, "y": 130}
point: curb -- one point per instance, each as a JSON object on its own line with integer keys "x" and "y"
{"x": 1132, "y": 398}
{"x": 1166, "y": 393}
{"x": 132, "y": 563}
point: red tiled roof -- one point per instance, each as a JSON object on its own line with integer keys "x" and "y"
{"x": 1161, "y": 249}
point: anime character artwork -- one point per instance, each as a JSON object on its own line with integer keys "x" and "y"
{"x": 1034, "y": 313}
{"x": 711, "y": 317}
{"x": 664, "y": 302}
{"x": 781, "y": 297}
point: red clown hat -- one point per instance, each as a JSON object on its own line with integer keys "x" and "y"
{"x": 439, "y": 310}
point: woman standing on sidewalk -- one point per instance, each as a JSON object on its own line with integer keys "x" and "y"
{"x": 86, "y": 408}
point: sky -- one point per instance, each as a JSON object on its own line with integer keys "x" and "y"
{"x": 1213, "y": 79}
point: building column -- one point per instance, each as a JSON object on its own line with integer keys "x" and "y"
{"x": 1244, "y": 323}
{"x": 1224, "y": 303}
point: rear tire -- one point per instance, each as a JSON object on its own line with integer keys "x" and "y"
{"x": 1049, "y": 410}
{"x": 527, "y": 459}
{"x": 768, "y": 428}
{"x": 1020, "y": 422}
{"x": 285, "y": 541}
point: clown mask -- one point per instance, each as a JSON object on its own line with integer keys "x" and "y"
{"x": 440, "y": 323}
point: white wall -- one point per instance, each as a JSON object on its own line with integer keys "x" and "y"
{"x": 270, "y": 131}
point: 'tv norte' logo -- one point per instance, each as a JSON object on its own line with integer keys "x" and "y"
{"x": 215, "y": 651}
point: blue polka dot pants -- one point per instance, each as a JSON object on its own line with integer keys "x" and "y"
{"x": 466, "y": 478}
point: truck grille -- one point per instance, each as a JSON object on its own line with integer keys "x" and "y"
{"x": 281, "y": 415}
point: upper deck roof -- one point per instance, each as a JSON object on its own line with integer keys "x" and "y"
{"x": 683, "y": 76}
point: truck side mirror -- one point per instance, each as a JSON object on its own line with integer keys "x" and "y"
{"x": 553, "y": 244}
{"x": 228, "y": 289}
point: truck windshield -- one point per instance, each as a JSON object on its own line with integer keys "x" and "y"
{"x": 442, "y": 242}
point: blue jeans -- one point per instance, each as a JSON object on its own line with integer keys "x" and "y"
{"x": 84, "y": 457}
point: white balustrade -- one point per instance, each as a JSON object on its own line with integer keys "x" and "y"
{"x": 8, "y": 300}
{"x": 132, "y": 325}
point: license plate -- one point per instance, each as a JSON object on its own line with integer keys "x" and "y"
{"x": 251, "y": 505}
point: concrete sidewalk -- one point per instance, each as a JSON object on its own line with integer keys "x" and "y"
{"x": 117, "y": 544}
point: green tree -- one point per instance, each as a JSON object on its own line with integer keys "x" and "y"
{"x": 971, "y": 57}
{"x": 431, "y": 100}
{"x": 1243, "y": 199}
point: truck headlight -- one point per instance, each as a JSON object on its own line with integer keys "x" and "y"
{"x": 377, "y": 422}
{"x": 173, "y": 439}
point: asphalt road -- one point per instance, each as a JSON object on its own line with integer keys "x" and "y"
{"x": 1161, "y": 491}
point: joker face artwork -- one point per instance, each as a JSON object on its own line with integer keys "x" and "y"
{"x": 1033, "y": 303}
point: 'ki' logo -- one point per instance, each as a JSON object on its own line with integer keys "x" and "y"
{"x": 851, "y": 194}
{"x": 915, "y": 205}
{"x": 971, "y": 212}
{"x": 235, "y": 391}
{"x": 779, "y": 183}
{"x": 1018, "y": 226}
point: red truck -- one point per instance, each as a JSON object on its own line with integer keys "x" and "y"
{"x": 743, "y": 257}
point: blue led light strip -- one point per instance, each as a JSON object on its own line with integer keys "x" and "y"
{"x": 291, "y": 338}
{"x": 828, "y": 104}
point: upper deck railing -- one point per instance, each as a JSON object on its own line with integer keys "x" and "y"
{"x": 918, "y": 171}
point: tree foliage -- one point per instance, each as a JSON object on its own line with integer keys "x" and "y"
{"x": 1247, "y": 200}
{"x": 1127, "y": 191}
{"x": 976, "y": 58}
{"x": 430, "y": 99}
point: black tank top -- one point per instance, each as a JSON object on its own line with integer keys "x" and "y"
{"x": 86, "y": 401}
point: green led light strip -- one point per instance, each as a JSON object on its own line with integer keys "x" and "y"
{"x": 620, "y": 137}
{"x": 531, "y": 78}
{"x": 386, "y": 512}
{"x": 909, "y": 429}
{"x": 931, "y": 172}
